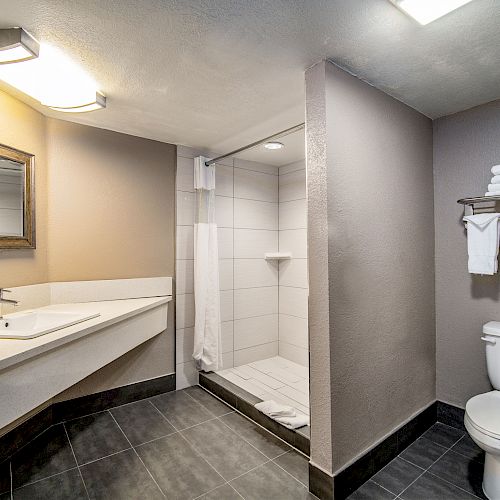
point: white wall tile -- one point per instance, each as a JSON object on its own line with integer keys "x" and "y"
{"x": 186, "y": 375}
{"x": 250, "y": 332}
{"x": 223, "y": 180}
{"x": 227, "y": 334}
{"x": 184, "y": 178}
{"x": 293, "y": 214}
{"x": 255, "y": 302}
{"x": 257, "y": 167}
{"x": 296, "y": 354}
{"x": 295, "y": 241}
{"x": 185, "y": 208}
{"x": 224, "y": 211}
{"x": 225, "y": 242}
{"x": 184, "y": 311}
{"x": 249, "y": 214}
{"x": 255, "y": 185}
{"x": 184, "y": 276}
{"x": 263, "y": 351}
{"x": 227, "y": 360}
{"x": 250, "y": 273}
{"x": 293, "y": 330}
{"x": 226, "y": 274}
{"x": 292, "y": 167}
{"x": 292, "y": 186}
{"x": 293, "y": 301}
{"x": 184, "y": 243}
{"x": 184, "y": 341}
{"x": 226, "y": 305}
{"x": 254, "y": 243}
{"x": 293, "y": 272}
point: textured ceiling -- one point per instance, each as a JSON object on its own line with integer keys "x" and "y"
{"x": 222, "y": 73}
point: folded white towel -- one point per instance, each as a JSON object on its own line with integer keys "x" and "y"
{"x": 493, "y": 187}
{"x": 495, "y": 170}
{"x": 482, "y": 243}
{"x": 273, "y": 409}
{"x": 492, "y": 193}
{"x": 293, "y": 422}
{"x": 495, "y": 179}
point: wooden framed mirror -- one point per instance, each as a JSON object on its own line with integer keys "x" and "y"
{"x": 17, "y": 208}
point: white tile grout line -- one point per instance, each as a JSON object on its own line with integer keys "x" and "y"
{"x": 76, "y": 461}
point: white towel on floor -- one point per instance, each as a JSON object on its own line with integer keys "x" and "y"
{"x": 493, "y": 188}
{"x": 495, "y": 179}
{"x": 482, "y": 243}
{"x": 273, "y": 409}
{"x": 293, "y": 422}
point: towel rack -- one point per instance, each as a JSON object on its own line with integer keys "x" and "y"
{"x": 471, "y": 204}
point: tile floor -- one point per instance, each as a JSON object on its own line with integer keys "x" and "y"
{"x": 184, "y": 444}
{"x": 273, "y": 378}
{"x": 443, "y": 464}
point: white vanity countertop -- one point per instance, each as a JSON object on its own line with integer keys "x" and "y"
{"x": 111, "y": 311}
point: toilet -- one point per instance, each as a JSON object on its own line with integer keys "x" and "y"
{"x": 482, "y": 414}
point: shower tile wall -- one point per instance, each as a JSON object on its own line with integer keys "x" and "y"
{"x": 247, "y": 218}
{"x": 293, "y": 282}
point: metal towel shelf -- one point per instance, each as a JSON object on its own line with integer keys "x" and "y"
{"x": 470, "y": 203}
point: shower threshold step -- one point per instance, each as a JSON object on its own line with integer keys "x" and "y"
{"x": 244, "y": 402}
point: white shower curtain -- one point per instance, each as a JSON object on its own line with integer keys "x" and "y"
{"x": 207, "y": 351}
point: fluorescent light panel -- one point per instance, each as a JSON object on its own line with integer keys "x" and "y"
{"x": 55, "y": 81}
{"x": 17, "y": 45}
{"x": 426, "y": 11}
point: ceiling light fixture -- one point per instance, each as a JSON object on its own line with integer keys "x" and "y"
{"x": 274, "y": 145}
{"x": 426, "y": 11}
{"x": 55, "y": 81}
{"x": 17, "y": 45}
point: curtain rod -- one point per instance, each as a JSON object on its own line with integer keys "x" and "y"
{"x": 283, "y": 133}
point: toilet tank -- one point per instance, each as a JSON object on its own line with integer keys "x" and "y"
{"x": 491, "y": 338}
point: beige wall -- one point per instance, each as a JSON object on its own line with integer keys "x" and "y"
{"x": 466, "y": 146}
{"x": 378, "y": 155}
{"x": 23, "y": 128}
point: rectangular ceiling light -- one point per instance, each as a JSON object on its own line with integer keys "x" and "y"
{"x": 426, "y": 11}
{"x": 17, "y": 45}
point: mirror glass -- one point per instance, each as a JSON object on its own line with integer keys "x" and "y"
{"x": 11, "y": 198}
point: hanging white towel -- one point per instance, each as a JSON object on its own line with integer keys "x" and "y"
{"x": 495, "y": 188}
{"x": 207, "y": 351}
{"x": 482, "y": 243}
{"x": 495, "y": 179}
{"x": 495, "y": 170}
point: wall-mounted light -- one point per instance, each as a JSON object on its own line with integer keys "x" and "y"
{"x": 17, "y": 45}
{"x": 55, "y": 81}
{"x": 274, "y": 145}
{"x": 426, "y": 11}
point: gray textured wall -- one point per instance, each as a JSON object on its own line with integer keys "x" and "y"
{"x": 466, "y": 145}
{"x": 381, "y": 264}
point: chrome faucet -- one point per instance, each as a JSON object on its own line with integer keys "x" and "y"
{"x": 6, "y": 301}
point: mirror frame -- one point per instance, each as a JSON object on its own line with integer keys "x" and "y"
{"x": 28, "y": 239}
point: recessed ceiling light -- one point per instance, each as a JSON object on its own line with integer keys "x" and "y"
{"x": 17, "y": 45}
{"x": 426, "y": 11}
{"x": 274, "y": 145}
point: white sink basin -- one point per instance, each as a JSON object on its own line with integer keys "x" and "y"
{"x": 31, "y": 324}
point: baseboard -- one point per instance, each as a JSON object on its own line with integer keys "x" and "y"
{"x": 21, "y": 435}
{"x": 450, "y": 415}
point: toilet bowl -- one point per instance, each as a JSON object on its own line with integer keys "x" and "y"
{"x": 482, "y": 414}
{"x": 482, "y": 421}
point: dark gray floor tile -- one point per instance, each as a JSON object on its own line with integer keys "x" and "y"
{"x": 65, "y": 486}
{"x": 269, "y": 481}
{"x": 121, "y": 476}
{"x": 263, "y": 440}
{"x": 397, "y": 475}
{"x": 444, "y": 435}
{"x": 181, "y": 410}
{"x": 295, "y": 464}
{"x": 177, "y": 468}
{"x": 429, "y": 487}
{"x": 227, "y": 452}
{"x": 212, "y": 404}
{"x": 423, "y": 452}
{"x": 95, "y": 436}
{"x": 371, "y": 491}
{"x": 462, "y": 471}
{"x": 5, "y": 477}
{"x": 48, "y": 454}
{"x": 141, "y": 422}
{"x": 5, "y": 496}
{"x": 224, "y": 492}
{"x": 467, "y": 447}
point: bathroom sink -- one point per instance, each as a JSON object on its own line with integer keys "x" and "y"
{"x": 31, "y": 324}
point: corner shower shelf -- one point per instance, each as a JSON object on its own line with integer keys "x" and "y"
{"x": 278, "y": 256}
{"x": 470, "y": 203}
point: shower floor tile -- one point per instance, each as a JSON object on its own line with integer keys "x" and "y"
{"x": 274, "y": 378}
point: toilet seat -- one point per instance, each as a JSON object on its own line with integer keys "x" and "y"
{"x": 483, "y": 412}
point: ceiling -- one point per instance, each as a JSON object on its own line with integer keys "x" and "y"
{"x": 223, "y": 73}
